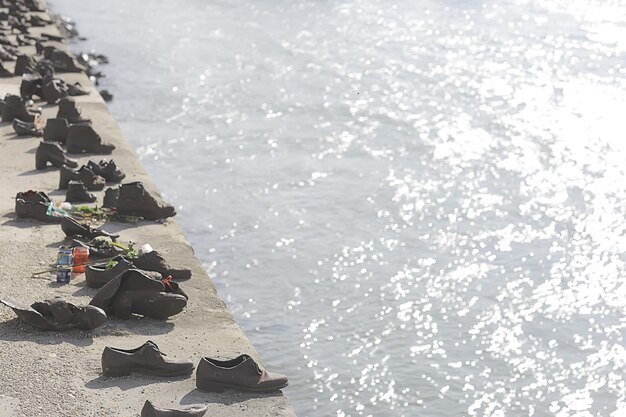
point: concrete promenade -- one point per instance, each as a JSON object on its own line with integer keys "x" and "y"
{"x": 56, "y": 374}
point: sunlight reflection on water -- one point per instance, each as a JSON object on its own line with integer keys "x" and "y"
{"x": 412, "y": 209}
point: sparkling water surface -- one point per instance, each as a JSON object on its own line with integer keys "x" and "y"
{"x": 413, "y": 208}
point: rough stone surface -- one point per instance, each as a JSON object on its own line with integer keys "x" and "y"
{"x": 58, "y": 374}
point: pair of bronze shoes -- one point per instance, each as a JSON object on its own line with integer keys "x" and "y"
{"x": 241, "y": 373}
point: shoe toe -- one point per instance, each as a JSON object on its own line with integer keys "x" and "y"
{"x": 107, "y": 148}
{"x": 168, "y": 211}
{"x": 276, "y": 381}
{"x": 94, "y": 317}
{"x": 180, "y": 274}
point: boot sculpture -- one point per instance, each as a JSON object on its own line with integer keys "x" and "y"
{"x": 14, "y": 108}
{"x": 92, "y": 181}
{"x": 146, "y": 359}
{"x": 77, "y": 193}
{"x": 53, "y": 90}
{"x": 50, "y": 152}
{"x": 241, "y": 374}
{"x": 56, "y": 130}
{"x": 23, "y": 65}
{"x": 149, "y": 410}
{"x": 31, "y": 86}
{"x": 69, "y": 111}
{"x": 134, "y": 292}
{"x": 135, "y": 200}
{"x": 57, "y": 314}
{"x": 82, "y": 138}
{"x": 111, "y": 195}
{"x": 153, "y": 261}
{"x": 34, "y": 205}
{"x": 98, "y": 275}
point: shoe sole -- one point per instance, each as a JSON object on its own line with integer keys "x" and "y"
{"x": 211, "y": 386}
{"x": 127, "y": 372}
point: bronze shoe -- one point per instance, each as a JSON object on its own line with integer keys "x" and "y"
{"x": 98, "y": 275}
{"x": 77, "y": 193}
{"x": 26, "y": 129}
{"x": 133, "y": 292}
{"x": 241, "y": 374}
{"x": 146, "y": 359}
{"x": 14, "y": 107}
{"x": 98, "y": 249}
{"x": 84, "y": 174}
{"x": 57, "y": 314}
{"x": 135, "y": 200}
{"x": 56, "y": 130}
{"x": 83, "y": 138}
{"x": 52, "y": 90}
{"x": 149, "y": 410}
{"x": 51, "y": 152}
{"x": 34, "y": 205}
{"x": 73, "y": 228}
{"x": 153, "y": 261}
{"x": 69, "y": 111}
{"x": 107, "y": 170}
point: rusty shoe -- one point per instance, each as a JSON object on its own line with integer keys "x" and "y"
{"x": 241, "y": 374}
{"x": 149, "y": 410}
{"x": 57, "y": 314}
{"x": 133, "y": 292}
{"x": 146, "y": 359}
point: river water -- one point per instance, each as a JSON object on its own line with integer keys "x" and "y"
{"x": 414, "y": 208}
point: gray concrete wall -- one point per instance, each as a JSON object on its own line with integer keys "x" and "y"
{"x": 58, "y": 373}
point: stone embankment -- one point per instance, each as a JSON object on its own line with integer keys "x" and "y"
{"x": 57, "y": 374}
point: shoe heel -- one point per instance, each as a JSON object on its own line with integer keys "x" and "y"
{"x": 209, "y": 386}
{"x": 115, "y": 372}
{"x": 41, "y": 163}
